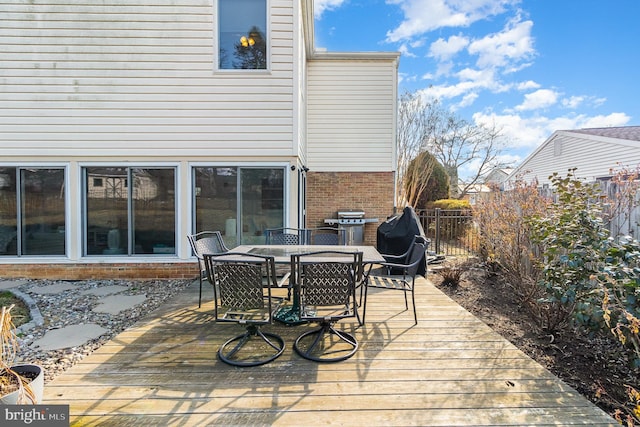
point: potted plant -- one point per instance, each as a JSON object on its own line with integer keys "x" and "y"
{"x": 23, "y": 383}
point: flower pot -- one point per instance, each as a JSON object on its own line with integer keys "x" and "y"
{"x": 37, "y": 384}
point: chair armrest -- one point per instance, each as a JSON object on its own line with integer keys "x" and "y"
{"x": 391, "y": 265}
{"x": 392, "y": 258}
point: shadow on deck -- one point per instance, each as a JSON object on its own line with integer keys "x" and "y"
{"x": 449, "y": 370}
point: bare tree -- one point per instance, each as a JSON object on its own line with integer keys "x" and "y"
{"x": 457, "y": 143}
{"x": 426, "y": 125}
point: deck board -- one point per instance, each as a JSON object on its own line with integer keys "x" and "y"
{"x": 449, "y": 370}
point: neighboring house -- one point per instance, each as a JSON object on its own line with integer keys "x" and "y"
{"x": 497, "y": 176}
{"x": 595, "y": 154}
{"x": 125, "y": 126}
{"x": 475, "y": 193}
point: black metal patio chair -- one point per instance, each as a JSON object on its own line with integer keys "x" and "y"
{"x": 243, "y": 295}
{"x": 326, "y": 236}
{"x": 404, "y": 281}
{"x": 325, "y": 282}
{"x": 285, "y": 236}
{"x": 205, "y": 242}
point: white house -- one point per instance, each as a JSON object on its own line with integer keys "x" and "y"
{"x": 125, "y": 126}
{"x": 497, "y": 176}
{"x": 595, "y": 154}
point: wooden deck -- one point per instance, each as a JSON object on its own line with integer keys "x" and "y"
{"x": 449, "y": 370}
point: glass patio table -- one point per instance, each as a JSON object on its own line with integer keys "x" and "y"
{"x": 282, "y": 255}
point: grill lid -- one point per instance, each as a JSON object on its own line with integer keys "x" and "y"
{"x": 350, "y": 214}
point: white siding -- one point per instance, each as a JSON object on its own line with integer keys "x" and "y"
{"x": 593, "y": 157}
{"x": 351, "y": 115}
{"x": 137, "y": 78}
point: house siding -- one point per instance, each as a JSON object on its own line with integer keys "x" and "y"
{"x": 138, "y": 77}
{"x": 135, "y": 84}
{"x": 352, "y": 115}
{"x": 593, "y": 157}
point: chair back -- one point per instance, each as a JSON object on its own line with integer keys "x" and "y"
{"x": 207, "y": 242}
{"x": 284, "y": 236}
{"x": 326, "y": 236}
{"x": 417, "y": 257}
{"x": 241, "y": 293}
{"x": 327, "y": 278}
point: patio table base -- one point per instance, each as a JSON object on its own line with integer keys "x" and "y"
{"x": 289, "y": 315}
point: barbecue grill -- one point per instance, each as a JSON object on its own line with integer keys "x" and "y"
{"x": 353, "y": 223}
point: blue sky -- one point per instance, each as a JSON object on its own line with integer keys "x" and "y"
{"x": 530, "y": 66}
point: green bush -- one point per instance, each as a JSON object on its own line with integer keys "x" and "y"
{"x": 620, "y": 280}
{"x": 572, "y": 237}
{"x": 437, "y": 186}
{"x": 455, "y": 204}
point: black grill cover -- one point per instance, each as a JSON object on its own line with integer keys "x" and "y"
{"x": 394, "y": 236}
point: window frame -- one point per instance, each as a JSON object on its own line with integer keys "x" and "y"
{"x": 83, "y": 214}
{"x": 66, "y": 203}
{"x": 216, "y": 43}
{"x": 239, "y": 166}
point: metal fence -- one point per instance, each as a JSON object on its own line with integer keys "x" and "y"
{"x": 452, "y": 231}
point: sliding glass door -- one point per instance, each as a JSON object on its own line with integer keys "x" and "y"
{"x": 240, "y": 215}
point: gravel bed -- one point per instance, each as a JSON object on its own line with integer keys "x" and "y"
{"x": 72, "y": 307}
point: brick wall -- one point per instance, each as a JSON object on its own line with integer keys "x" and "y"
{"x": 130, "y": 271}
{"x": 329, "y": 192}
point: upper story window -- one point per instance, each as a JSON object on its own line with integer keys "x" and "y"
{"x": 242, "y": 34}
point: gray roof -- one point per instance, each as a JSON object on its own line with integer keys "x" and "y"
{"x": 631, "y": 133}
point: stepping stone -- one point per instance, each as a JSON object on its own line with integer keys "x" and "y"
{"x": 53, "y": 289}
{"x": 104, "y": 290}
{"x": 8, "y": 284}
{"x": 114, "y": 304}
{"x": 69, "y": 336}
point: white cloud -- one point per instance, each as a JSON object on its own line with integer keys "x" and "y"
{"x": 541, "y": 98}
{"x": 320, "y": 6}
{"x": 421, "y": 16}
{"x": 467, "y": 100}
{"x": 526, "y": 133}
{"x": 529, "y": 84}
{"x": 448, "y": 91}
{"x": 443, "y": 50}
{"x": 573, "y": 101}
{"x": 511, "y": 45}
{"x": 471, "y": 82}
{"x": 613, "y": 119}
{"x": 497, "y": 54}
{"x": 521, "y": 132}
{"x": 576, "y": 101}
{"x": 404, "y": 50}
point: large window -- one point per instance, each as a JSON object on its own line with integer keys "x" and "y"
{"x": 32, "y": 211}
{"x": 242, "y": 34}
{"x": 123, "y": 219}
{"x": 239, "y": 202}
